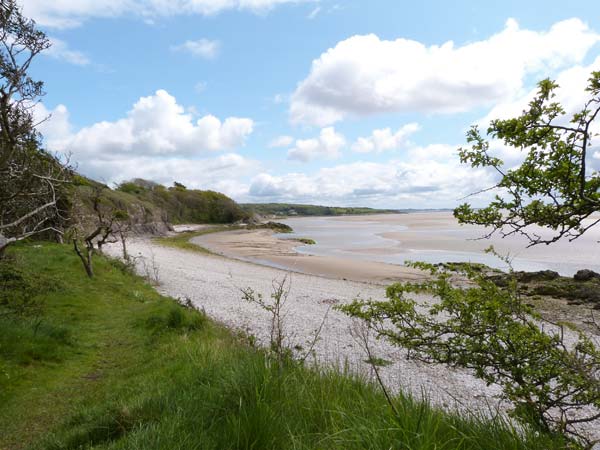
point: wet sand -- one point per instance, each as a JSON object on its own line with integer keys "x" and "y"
{"x": 437, "y": 237}
{"x": 264, "y": 247}
{"x": 375, "y": 248}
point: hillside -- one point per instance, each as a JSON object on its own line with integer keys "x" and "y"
{"x": 150, "y": 207}
{"x": 291, "y": 209}
{"x": 182, "y": 205}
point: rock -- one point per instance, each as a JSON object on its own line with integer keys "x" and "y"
{"x": 542, "y": 275}
{"x": 585, "y": 275}
{"x": 499, "y": 280}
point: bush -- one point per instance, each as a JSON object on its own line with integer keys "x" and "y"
{"x": 306, "y": 241}
{"x": 554, "y": 385}
{"x": 19, "y": 289}
{"x": 176, "y": 318}
{"x": 275, "y": 226}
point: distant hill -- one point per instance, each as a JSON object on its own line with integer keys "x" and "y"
{"x": 291, "y": 209}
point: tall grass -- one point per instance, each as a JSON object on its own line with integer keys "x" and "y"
{"x": 134, "y": 370}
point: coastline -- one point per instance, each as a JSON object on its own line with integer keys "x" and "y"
{"x": 263, "y": 247}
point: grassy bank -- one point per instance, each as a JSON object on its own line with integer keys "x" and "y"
{"x": 182, "y": 240}
{"x": 109, "y": 363}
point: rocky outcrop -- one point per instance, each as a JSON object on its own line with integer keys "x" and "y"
{"x": 586, "y": 275}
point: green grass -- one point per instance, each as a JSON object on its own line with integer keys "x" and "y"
{"x": 306, "y": 241}
{"x": 110, "y": 364}
{"x": 182, "y": 240}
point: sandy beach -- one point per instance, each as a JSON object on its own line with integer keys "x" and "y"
{"x": 264, "y": 247}
{"x": 375, "y": 248}
{"x": 438, "y": 237}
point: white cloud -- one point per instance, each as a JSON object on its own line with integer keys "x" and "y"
{"x": 365, "y": 74}
{"x": 54, "y": 125}
{"x": 327, "y": 145}
{"x": 314, "y": 13}
{"x": 72, "y": 13}
{"x": 571, "y": 94}
{"x": 202, "y": 48}
{"x": 398, "y": 184}
{"x": 219, "y": 173}
{"x": 383, "y": 139}
{"x": 156, "y": 125}
{"x": 156, "y": 140}
{"x": 60, "y": 50}
{"x": 281, "y": 141}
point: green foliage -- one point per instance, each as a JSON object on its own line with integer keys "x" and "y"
{"x": 379, "y": 362}
{"x": 79, "y": 180}
{"x": 114, "y": 383}
{"x": 553, "y": 187}
{"x": 131, "y": 188}
{"x": 176, "y": 318}
{"x": 30, "y": 340}
{"x": 275, "y": 226}
{"x": 182, "y": 240}
{"x": 288, "y": 209}
{"x": 20, "y": 289}
{"x": 182, "y": 205}
{"x": 553, "y": 385}
{"x": 306, "y": 241}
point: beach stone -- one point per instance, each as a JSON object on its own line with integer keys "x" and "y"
{"x": 585, "y": 275}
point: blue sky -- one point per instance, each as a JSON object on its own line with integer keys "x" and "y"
{"x": 329, "y": 102}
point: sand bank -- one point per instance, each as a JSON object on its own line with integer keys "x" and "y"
{"x": 263, "y": 247}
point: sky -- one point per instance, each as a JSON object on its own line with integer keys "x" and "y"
{"x": 330, "y": 102}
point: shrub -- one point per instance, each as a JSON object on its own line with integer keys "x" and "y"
{"x": 306, "y": 241}
{"x": 554, "y": 385}
{"x": 176, "y": 318}
{"x": 19, "y": 289}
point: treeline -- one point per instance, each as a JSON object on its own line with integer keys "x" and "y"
{"x": 182, "y": 205}
{"x": 291, "y": 209}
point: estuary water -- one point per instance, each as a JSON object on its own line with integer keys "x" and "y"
{"x": 437, "y": 237}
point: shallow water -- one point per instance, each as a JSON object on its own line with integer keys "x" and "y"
{"x": 437, "y": 237}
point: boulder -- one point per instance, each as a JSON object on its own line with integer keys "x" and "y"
{"x": 541, "y": 275}
{"x": 585, "y": 275}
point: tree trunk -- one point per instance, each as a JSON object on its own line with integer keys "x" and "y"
{"x": 124, "y": 244}
{"x": 85, "y": 260}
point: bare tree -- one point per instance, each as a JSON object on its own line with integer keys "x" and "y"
{"x": 31, "y": 180}
{"x": 280, "y": 344}
{"x": 110, "y": 222}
